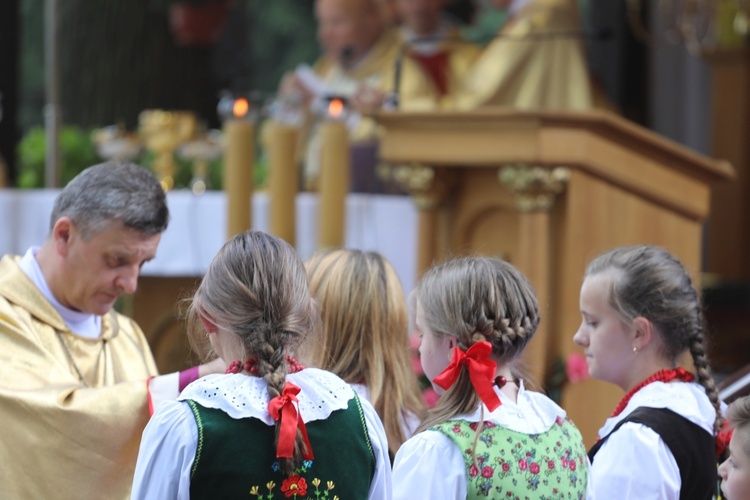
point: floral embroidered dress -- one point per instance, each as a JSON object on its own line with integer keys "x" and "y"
{"x": 216, "y": 441}
{"x": 526, "y": 450}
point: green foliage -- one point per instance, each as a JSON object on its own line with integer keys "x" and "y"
{"x": 282, "y": 36}
{"x": 76, "y": 153}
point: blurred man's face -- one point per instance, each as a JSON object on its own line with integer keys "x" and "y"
{"x": 347, "y": 26}
{"x": 422, "y": 16}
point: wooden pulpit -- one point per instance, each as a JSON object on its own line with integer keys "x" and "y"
{"x": 548, "y": 191}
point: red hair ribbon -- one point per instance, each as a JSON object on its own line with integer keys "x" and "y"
{"x": 723, "y": 438}
{"x": 481, "y": 368}
{"x": 283, "y": 408}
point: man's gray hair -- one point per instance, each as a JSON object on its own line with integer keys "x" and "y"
{"x": 113, "y": 191}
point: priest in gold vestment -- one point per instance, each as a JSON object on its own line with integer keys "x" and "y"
{"x": 434, "y": 43}
{"x": 360, "y": 55}
{"x": 536, "y": 61}
{"x": 77, "y": 379}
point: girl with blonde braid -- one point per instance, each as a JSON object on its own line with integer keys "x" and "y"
{"x": 487, "y": 436}
{"x": 641, "y": 313}
{"x": 364, "y": 335}
{"x": 269, "y": 427}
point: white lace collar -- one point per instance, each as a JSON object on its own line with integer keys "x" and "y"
{"x": 531, "y": 413}
{"x": 243, "y": 396}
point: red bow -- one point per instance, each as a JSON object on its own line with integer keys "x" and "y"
{"x": 481, "y": 372}
{"x": 283, "y": 407}
{"x": 723, "y": 438}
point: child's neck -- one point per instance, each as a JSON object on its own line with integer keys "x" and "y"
{"x": 509, "y": 389}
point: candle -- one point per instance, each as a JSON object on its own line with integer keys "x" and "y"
{"x": 334, "y": 178}
{"x": 282, "y": 179}
{"x": 239, "y": 158}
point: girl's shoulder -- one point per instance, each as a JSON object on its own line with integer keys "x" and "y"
{"x": 687, "y": 399}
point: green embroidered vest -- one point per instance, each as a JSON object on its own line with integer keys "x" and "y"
{"x": 514, "y": 465}
{"x": 236, "y": 458}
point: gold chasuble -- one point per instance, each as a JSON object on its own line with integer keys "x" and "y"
{"x": 377, "y": 71}
{"x": 446, "y": 60}
{"x": 536, "y": 61}
{"x": 72, "y": 409}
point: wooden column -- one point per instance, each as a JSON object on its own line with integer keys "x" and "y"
{"x": 535, "y": 190}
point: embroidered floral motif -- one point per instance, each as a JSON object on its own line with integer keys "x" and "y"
{"x": 296, "y": 487}
{"x": 509, "y": 464}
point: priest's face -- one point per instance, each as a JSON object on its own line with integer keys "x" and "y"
{"x": 347, "y": 29}
{"x": 421, "y": 16}
{"x": 98, "y": 269}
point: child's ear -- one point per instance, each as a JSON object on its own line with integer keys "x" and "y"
{"x": 644, "y": 331}
{"x": 208, "y": 324}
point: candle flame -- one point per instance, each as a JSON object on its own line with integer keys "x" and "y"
{"x": 335, "y": 107}
{"x": 240, "y": 107}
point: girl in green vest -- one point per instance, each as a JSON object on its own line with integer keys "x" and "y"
{"x": 269, "y": 427}
{"x": 487, "y": 436}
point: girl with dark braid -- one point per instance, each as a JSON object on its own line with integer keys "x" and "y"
{"x": 269, "y": 427}
{"x": 487, "y": 436}
{"x": 641, "y": 313}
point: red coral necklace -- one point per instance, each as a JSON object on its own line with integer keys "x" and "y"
{"x": 250, "y": 365}
{"x": 666, "y": 375}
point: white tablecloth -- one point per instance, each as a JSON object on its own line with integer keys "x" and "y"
{"x": 197, "y": 227}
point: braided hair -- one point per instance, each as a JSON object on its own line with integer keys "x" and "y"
{"x": 651, "y": 283}
{"x": 256, "y": 288}
{"x": 476, "y": 299}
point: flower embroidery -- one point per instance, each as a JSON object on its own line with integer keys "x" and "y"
{"x": 294, "y": 485}
{"x": 487, "y": 471}
{"x": 534, "y": 468}
{"x": 522, "y": 464}
{"x": 473, "y": 471}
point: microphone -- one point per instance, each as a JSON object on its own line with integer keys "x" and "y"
{"x": 347, "y": 57}
{"x": 392, "y": 99}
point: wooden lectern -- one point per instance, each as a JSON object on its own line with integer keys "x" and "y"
{"x": 548, "y": 191}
